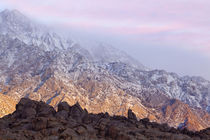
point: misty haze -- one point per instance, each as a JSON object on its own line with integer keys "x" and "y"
{"x": 121, "y": 70}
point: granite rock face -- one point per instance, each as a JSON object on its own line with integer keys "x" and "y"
{"x": 39, "y": 121}
{"x": 7, "y": 105}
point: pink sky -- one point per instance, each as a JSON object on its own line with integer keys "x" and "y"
{"x": 179, "y": 19}
{"x": 184, "y": 24}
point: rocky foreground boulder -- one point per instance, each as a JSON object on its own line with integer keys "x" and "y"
{"x": 39, "y": 121}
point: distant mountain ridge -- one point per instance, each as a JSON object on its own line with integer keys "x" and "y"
{"x": 106, "y": 53}
{"x": 41, "y": 65}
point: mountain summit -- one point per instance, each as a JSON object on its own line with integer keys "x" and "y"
{"x": 16, "y": 25}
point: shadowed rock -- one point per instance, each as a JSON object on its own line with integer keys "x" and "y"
{"x": 37, "y": 120}
{"x": 31, "y": 109}
{"x": 76, "y": 112}
{"x": 63, "y": 106}
{"x": 131, "y": 115}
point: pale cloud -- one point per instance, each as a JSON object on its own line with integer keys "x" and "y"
{"x": 178, "y": 20}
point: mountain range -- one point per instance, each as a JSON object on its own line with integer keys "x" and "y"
{"x": 40, "y": 64}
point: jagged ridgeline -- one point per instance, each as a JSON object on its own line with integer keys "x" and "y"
{"x": 38, "y": 120}
{"x": 37, "y": 63}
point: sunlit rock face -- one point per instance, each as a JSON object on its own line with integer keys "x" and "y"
{"x": 41, "y": 65}
{"x": 7, "y": 105}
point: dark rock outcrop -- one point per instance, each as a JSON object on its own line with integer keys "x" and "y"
{"x": 131, "y": 115}
{"x": 37, "y": 120}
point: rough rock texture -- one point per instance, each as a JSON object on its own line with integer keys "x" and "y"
{"x": 176, "y": 111}
{"x": 37, "y": 120}
{"x": 39, "y": 64}
{"x": 7, "y": 105}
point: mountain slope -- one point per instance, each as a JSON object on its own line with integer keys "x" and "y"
{"x": 33, "y": 64}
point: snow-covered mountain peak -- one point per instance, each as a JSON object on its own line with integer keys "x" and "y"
{"x": 8, "y": 14}
{"x": 14, "y": 20}
{"x": 16, "y": 25}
